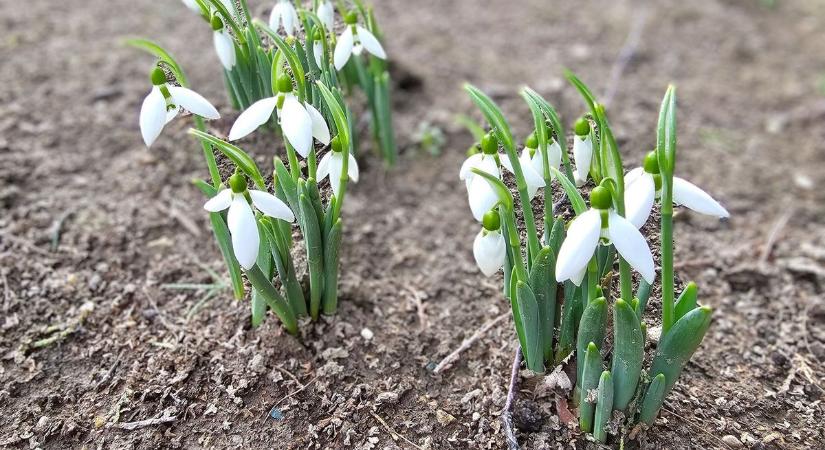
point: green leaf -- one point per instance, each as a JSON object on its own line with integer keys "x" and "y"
{"x": 576, "y": 199}
{"x": 654, "y": 398}
{"x": 331, "y": 249}
{"x": 570, "y": 313}
{"x": 315, "y": 255}
{"x": 287, "y": 184}
{"x": 687, "y": 301}
{"x": 529, "y": 311}
{"x": 591, "y": 374}
{"x": 514, "y": 307}
{"x": 221, "y": 232}
{"x": 666, "y": 133}
{"x": 628, "y": 353}
{"x": 291, "y": 57}
{"x": 161, "y": 54}
{"x": 591, "y": 329}
{"x": 678, "y": 345}
{"x": 544, "y": 285}
{"x": 493, "y": 115}
{"x": 643, "y": 294}
{"x": 238, "y": 156}
{"x": 588, "y": 96}
{"x": 273, "y": 299}
{"x": 258, "y": 309}
{"x": 556, "y": 236}
{"x": 604, "y": 407}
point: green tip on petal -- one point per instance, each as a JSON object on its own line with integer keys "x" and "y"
{"x": 600, "y": 198}
{"x": 157, "y": 76}
{"x": 216, "y": 22}
{"x": 284, "y": 83}
{"x": 531, "y": 141}
{"x": 489, "y": 144}
{"x": 651, "y": 163}
{"x": 237, "y": 182}
{"x": 581, "y": 127}
{"x": 336, "y": 144}
{"x": 491, "y": 220}
{"x": 317, "y": 35}
{"x": 351, "y": 18}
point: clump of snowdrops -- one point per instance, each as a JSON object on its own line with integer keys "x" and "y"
{"x": 285, "y": 93}
{"x": 560, "y": 281}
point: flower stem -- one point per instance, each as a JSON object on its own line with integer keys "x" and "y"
{"x": 214, "y": 174}
{"x": 272, "y": 298}
{"x": 667, "y": 257}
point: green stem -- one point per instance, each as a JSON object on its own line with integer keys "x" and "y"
{"x": 512, "y": 238}
{"x": 667, "y": 259}
{"x": 214, "y": 174}
{"x": 272, "y": 298}
{"x": 592, "y": 279}
{"x": 294, "y": 165}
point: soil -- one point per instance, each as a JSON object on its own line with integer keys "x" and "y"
{"x": 94, "y": 228}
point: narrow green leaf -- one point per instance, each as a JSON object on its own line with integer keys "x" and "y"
{"x": 331, "y": 249}
{"x": 643, "y": 294}
{"x": 687, "y": 301}
{"x": 315, "y": 255}
{"x": 161, "y": 54}
{"x": 284, "y": 179}
{"x": 576, "y": 199}
{"x": 570, "y": 313}
{"x": 529, "y": 310}
{"x": 291, "y": 56}
{"x": 544, "y": 285}
{"x": 628, "y": 353}
{"x": 591, "y": 329}
{"x": 591, "y": 374}
{"x": 604, "y": 407}
{"x": 238, "y": 156}
{"x": 678, "y": 345}
{"x": 654, "y": 398}
{"x": 273, "y": 299}
{"x": 221, "y": 232}
{"x": 514, "y": 307}
{"x": 493, "y": 115}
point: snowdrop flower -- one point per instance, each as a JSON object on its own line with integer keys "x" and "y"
{"x": 589, "y": 228}
{"x": 326, "y": 13}
{"x": 224, "y": 45}
{"x": 318, "y": 48}
{"x": 332, "y": 166}
{"x": 643, "y": 183}
{"x": 531, "y": 167}
{"x": 354, "y": 39}
{"x": 489, "y": 247}
{"x": 283, "y": 13}
{"x": 193, "y": 5}
{"x": 299, "y": 122}
{"x": 243, "y": 227}
{"x": 481, "y": 195}
{"x": 582, "y": 150}
{"x": 163, "y": 104}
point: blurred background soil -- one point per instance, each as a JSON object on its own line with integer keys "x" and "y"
{"x": 94, "y": 227}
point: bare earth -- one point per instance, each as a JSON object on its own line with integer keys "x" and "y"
{"x": 752, "y": 127}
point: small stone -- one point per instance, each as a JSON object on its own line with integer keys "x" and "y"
{"x": 443, "y": 417}
{"x": 42, "y": 423}
{"x": 386, "y": 397}
{"x": 732, "y": 441}
{"x": 367, "y": 334}
{"x": 476, "y": 416}
{"x": 256, "y": 365}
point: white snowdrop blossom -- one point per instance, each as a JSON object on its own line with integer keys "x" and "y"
{"x": 531, "y": 166}
{"x": 193, "y": 5}
{"x": 489, "y": 247}
{"x": 589, "y": 228}
{"x": 332, "y": 166}
{"x": 481, "y": 195}
{"x": 641, "y": 192}
{"x": 582, "y": 150}
{"x": 163, "y": 104}
{"x": 224, "y": 45}
{"x": 243, "y": 227}
{"x": 299, "y": 122}
{"x": 354, "y": 39}
{"x": 326, "y": 12}
{"x": 284, "y": 14}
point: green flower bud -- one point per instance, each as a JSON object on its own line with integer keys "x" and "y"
{"x": 651, "y": 163}
{"x": 489, "y": 144}
{"x": 351, "y": 18}
{"x": 581, "y": 127}
{"x": 317, "y": 36}
{"x": 657, "y": 181}
{"x": 531, "y": 141}
{"x": 217, "y": 23}
{"x": 336, "y": 144}
{"x": 157, "y": 76}
{"x": 284, "y": 84}
{"x": 600, "y": 198}
{"x": 491, "y": 220}
{"x": 237, "y": 182}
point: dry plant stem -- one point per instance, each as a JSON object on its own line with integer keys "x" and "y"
{"x": 626, "y": 54}
{"x": 145, "y": 423}
{"x": 467, "y": 343}
{"x": 394, "y": 434}
{"x": 507, "y": 413}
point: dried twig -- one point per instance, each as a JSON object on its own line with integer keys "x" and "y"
{"x": 466, "y": 343}
{"x": 626, "y": 55}
{"x": 507, "y": 413}
{"x": 129, "y": 426}
{"x": 394, "y": 434}
{"x": 774, "y": 234}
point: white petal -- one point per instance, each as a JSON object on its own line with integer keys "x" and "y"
{"x": 323, "y": 167}
{"x": 505, "y": 162}
{"x": 489, "y": 251}
{"x": 320, "y": 130}
{"x": 583, "y": 154}
{"x": 343, "y": 48}
{"x": 275, "y": 16}
{"x": 687, "y": 194}
{"x": 352, "y": 169}
{"x": 482, "y": 197}
{"x": 336, "y": 163}
{"x": 632, "y": 176}
{"x": 193, "y": 5}
{"x": 318, "y": 52}
{"x": 534, "y": 179}
{"x": 193, "y": 102}
{"x": 271, "y": 206}
{"x": 152, "y": 116}
{"x": 639, "y": 198}
{"x": 225, "y": 49}
{"x": 554, "y": 154}
{"x": 297, "y": 125}
{"x": 357, "y": 49}
{"x": 370, "y": 43}
{"x": 630, "y": 243}
{"x": 579, "y": 245}
{"x": 326, "y": 13}
{"x": 289, "y": 18}
{"x": 244, "y": 231}
{"x": 219, "y": 202}
{"x": 472, "y": 161}
{"x": 577, "y": 278}
{"x": 537, "y": 161}
{"x": 171, "y": 113}
{"x": 254, "y": 116}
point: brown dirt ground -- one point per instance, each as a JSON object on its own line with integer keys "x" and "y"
{"x": 752, "y": 127}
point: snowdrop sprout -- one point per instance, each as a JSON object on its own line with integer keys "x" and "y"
{"x": 163, "y": 104}
{"x": 582, "y": 150}
{"x": 224, "y": 46}
{"x": 284, "y": 14}
{"x": 489, "y": 249}
{"x": 354, "y": 39}
{"x": 243, "y": 226}
{"x": 332, "y": 166}
{"x": 601, "y": 222}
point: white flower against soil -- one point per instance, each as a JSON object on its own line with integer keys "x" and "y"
{"x": 355, "y": 39}
{"x": 481, "y": 195}
{"x": 531, "y": 166}
{"x": 163, "y": 104}
{"x": 243, "y": 227}
{"x": 589, "y": 228}
{"x": 582, "y": 150}
{"x": 641, "y": 189}
{"x": 332, "y": 166}
{"x": 224, "y": 45}
{"x": 326, "y": 13}
{"x": 284, "y": 14}
{"x": 489, "y": 249}
{"x": 299, "y": 122}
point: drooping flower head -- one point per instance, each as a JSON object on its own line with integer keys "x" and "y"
{"x": 299, "y": 122}
{"x": 326, "y": 13}
{"x": 643, "y": 183}
{"x": 354, "y": 39}
{"x": 284, "y": 14}
{"x": 224, "y": 45}
{"x": 481, "y": 195}
{"x": 163, "y": 104}
{"x": 489, "y": 248}
{"x": 601, "y": 223}
{"x": 332, "y": 166}
{"x": 243, "y": 227}
{"x": 582, "y": 150}
{"x": 532, "y": 163}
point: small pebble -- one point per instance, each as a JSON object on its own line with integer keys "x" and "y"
{"x": 367, "y": 334}
{"x": 732, "y": 441}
